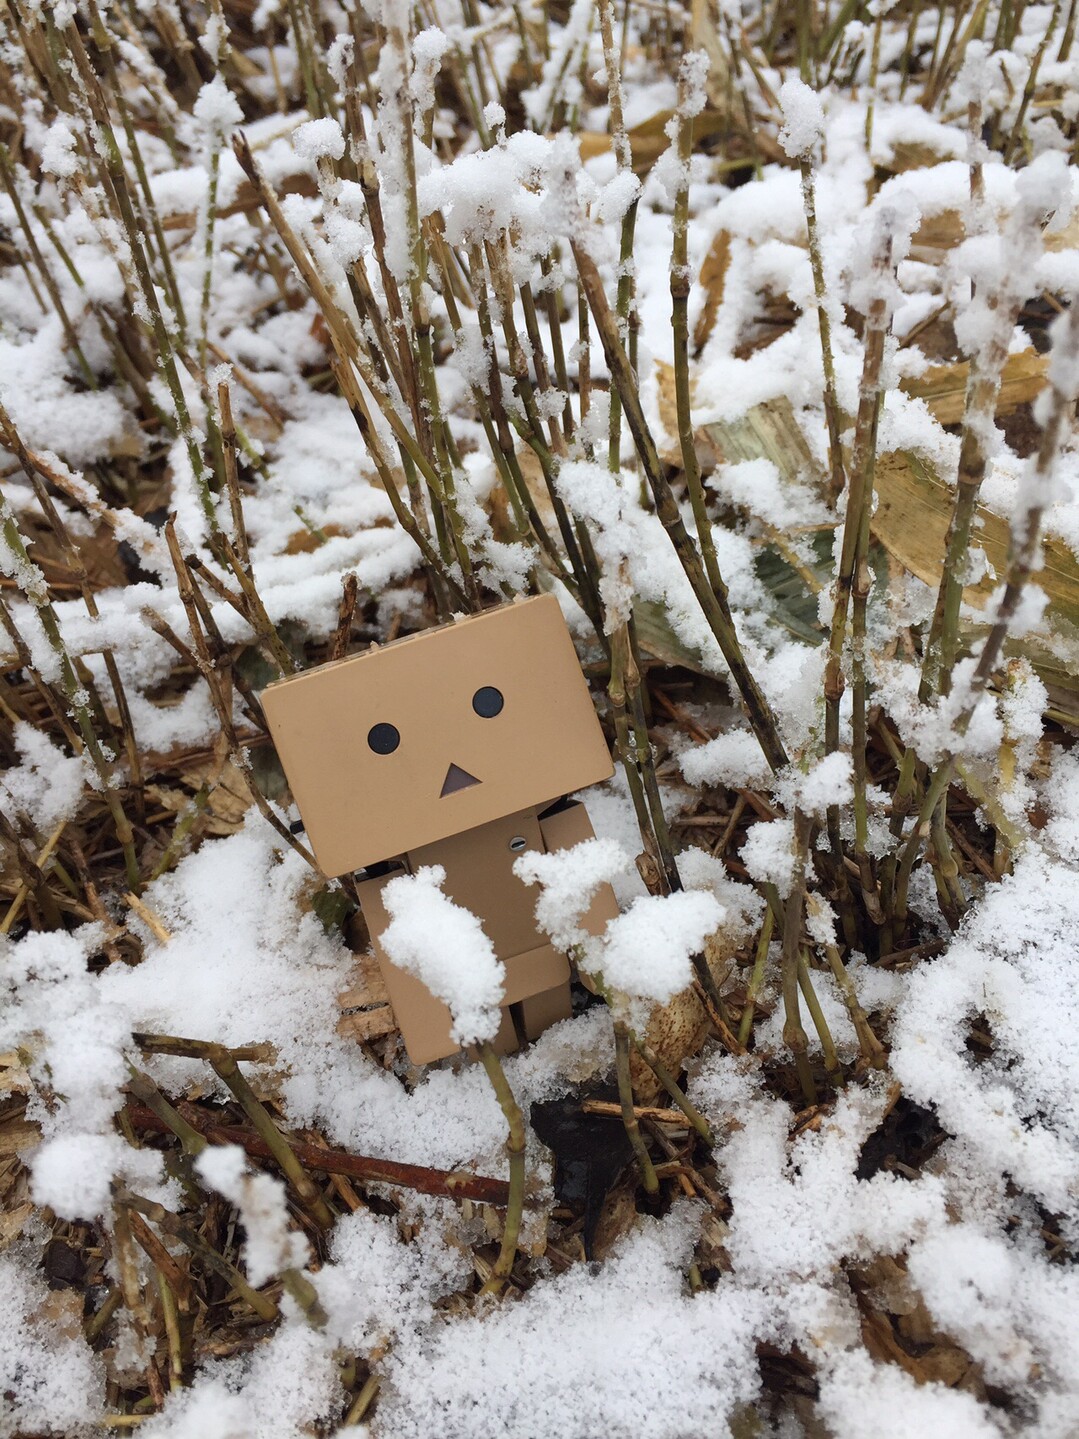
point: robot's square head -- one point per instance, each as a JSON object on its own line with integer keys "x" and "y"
{"x": 436, "y": 734}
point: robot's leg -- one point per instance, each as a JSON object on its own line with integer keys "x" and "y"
{"x": 540, "y": 1011}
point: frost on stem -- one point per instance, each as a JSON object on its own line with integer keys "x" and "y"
{"x": 428, "y": 48}
{"x": 270, "y": 1245}
{"x": 999, "y": 266}
{"x": 647, "y": 952}
{"x": 827, "y": 783}
{"x": 319, "y": 139}
{"x": 59, "y": 155}
{"x": 802, "y": 135}
{"x": 768, "y": 854}
{"x": 526, "y": 187}
{"x": 645, "y": 955}
{"x": 981, "y": 89}
{"x": 672, "y": 170}
{"x": 871, "y": 274}
{"x": 602, "y": 500}
{"x": 569, "y": 880}
{"x": 445, "y": 947}
{"x": 692, "y": 75}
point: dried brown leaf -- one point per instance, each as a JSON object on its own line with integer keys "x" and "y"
{"x": 18, "y": 1136}
{"x": 14, "y": 1078}
{"x": 944, "y": 387}
{"x": 914, "y": 509}
{"x": 713, "y": 279}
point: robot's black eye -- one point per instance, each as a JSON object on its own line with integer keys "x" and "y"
{"x": 487, "y": 702}
{"x": 383, "y": 738}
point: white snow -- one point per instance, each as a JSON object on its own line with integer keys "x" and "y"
{"x": 445, "y": 946}
{"x": 270, "y": 1246}
{"x": 47, "y": 785}
{"x": 803, "y": 120}
{"x": 626, "y": 1347}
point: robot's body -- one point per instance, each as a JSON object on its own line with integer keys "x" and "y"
{"x": 452, "y": 747}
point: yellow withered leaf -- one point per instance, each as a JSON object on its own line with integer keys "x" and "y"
{"x": 944, "y": 387}
{"x": 713, "y": 279}
{"x": 768, "y": 431}
{"x": 914, "y": 510}
{"x": 649, "y": 139}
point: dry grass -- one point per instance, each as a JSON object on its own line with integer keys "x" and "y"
{"x": 529, "y": 411}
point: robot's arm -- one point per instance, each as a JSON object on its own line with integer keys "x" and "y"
{"x": 563, "y": 826}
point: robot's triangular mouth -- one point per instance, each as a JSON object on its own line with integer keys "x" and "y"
{"x": 456, "y": 778}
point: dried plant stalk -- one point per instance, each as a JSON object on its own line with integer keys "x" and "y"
{"x": 629, "y": 1115}
{"x": 1026, "y": 537}
{"x": 794, "y": 1035}
{"x": 515, "y": 1150}
{"x": 713, "y": 603}
{"x": 32, "y": 584}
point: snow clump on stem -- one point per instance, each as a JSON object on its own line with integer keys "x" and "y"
{"x": 445, "y": 947}
{"x": 645, "y": 954}
{"x": 802, "y": 135}
{"x": 270, "y": 1246}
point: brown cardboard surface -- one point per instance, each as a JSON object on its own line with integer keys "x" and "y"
{"x": 425, "y": 1022}
{"x": 568, "y": 826}
{"x": 479, "y": 876}
{"x": 359, "y": 807}
{"x": 540, "y": 1011}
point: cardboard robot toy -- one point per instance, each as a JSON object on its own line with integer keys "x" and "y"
{"x": 455, "y": 746}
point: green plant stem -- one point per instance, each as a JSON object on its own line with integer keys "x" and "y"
{"x": 629, "y": 1117}
{"x": 853, "y": 579}
{"x": 145, "y": 1090}
{"x": 616, "y": 694}
{"x": 515, "y": 1151}
{"x": 874, "y": 66}
{"x": 308, "y": 1192}
{"x": 624, "y": 160}
{"x": 1032, "y": 80}
{"x": 300, "y": 1288}
{"x": 362, "y": 1402}
{"x": 908, "y": 48}
{"x": 824, "y": 324}
{"x": 713, "y": 603}
{"x": 674, "y": 1089}
{"x": 644, "y": 759}
{"x": 680, "y": 288}
{"x": 97, "y": 1323}
{"x": 794, "y": 1035}
{"x": 820, "y": 1024}
{"x": 871, "y": 1048}
{"x": 756, "y": 979}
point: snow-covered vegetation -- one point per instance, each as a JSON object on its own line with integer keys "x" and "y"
{"x": 746, "y": 329}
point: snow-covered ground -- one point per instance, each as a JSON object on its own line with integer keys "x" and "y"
{"x": 811, "y": 1254}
